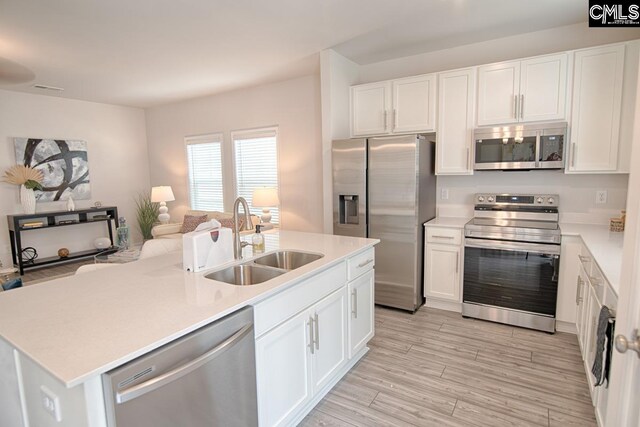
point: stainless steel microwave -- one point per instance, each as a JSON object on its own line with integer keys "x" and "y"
{"x": 520, "y": 147}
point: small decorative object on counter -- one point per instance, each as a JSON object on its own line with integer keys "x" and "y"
{"x": 71, "y": 206}
{"x": 63, "y": 252}
{"x": 616, "y": 225}
{"x": 29, "y": 179}
{"x": 123, "y": 234}
{"x": 258, "y": 241}
{"x": 102, "y": 243}
{"x": 624, "y": 218}
{"x": 97, "y": 204}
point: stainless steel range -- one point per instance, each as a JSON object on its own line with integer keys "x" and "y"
{"x": 512, "y": 260}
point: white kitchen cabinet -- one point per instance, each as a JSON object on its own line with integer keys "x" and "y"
{"x": 394, "y": 107}
{"x": 330, "y": 338}
{"x": 456, "y": 111}
{"x": 414, "y": 104}
{"x": 370, "y": 105}
{"x": 361, "y": 313}
{"x": 523, "y": 91}
{"x": 443, "y": 264}
{"x": 283, "y": 370}
{"x": 596, "y": 109}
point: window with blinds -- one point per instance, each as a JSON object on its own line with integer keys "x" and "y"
{"x": 256, "y": 165}
{"x": 204, "y": 158}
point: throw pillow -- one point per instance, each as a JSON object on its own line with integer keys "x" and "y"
{"x": 228, "y": 222}
{"x": 190, "y": 222}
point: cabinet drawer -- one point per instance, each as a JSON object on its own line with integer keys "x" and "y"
{"x": 447, "y": 236}
{"x": 286, "y": 304}
{"x": 360, "y": 264}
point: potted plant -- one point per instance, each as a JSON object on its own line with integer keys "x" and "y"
{"x": 29, "y": 179}
{"x": 147, "y": 214}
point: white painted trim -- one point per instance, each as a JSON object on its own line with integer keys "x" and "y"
{"x": 23, "y": 399}
{"x": 95, "y": 403}
{"x": 443, "y": 305}
{"x": 567, "y": 327}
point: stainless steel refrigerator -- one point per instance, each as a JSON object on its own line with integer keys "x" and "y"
{"x": 385, "y": 188}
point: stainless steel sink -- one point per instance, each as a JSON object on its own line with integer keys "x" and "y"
{"x": 244, "y": 274}
{"x": 287, "y": 260}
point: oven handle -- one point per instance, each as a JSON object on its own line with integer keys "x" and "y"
{"x": 537, "y": 248}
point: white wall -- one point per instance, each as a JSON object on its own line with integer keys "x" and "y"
{"x": 117, "y": 152}
{"x": 507, "y": 48}
{"x": 292, "y": 105}
{"x": 337, "y": 74}
{"x": 577, "y": 192}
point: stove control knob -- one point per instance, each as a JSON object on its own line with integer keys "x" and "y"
{"x": 551, "y": 200}
{"x": 490, "y": 199}
{"x": 539, "y": 200}
{"x": 481, "y": 199}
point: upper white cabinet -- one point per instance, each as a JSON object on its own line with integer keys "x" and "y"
{"x": 393, "y": 107}
{"x": 523, "y": 91}
{"x": 456, "y": 109}
{"x": 596, "y": 108}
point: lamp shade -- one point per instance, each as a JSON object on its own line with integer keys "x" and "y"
{"x": 264, "y": 197}
{"x": 163, "y": 193}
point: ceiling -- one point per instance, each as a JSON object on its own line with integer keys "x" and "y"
{"x": 150, "y": 52}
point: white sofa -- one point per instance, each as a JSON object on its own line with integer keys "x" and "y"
{"x": 172, "y": 231}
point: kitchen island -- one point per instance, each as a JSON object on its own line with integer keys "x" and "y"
{"x": 67, "y": 332}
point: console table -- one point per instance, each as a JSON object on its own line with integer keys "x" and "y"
{"x": 18, "y": 224}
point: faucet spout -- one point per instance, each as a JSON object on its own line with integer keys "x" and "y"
{"x": 237, "y": 244}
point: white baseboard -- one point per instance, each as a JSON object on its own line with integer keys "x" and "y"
{"x": 444, "y": 305}
{"x": 568, "y": 327}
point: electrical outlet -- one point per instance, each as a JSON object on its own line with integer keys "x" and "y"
{"x": 51, "y": 403}
{"x": 444, "y": 193}
{"x": 601, "y": 197}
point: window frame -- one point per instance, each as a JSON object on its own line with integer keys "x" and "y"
{"x": 263, "y": 131}
{"x": 208, "y": 138}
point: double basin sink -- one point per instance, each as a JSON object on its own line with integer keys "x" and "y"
{"x": 263, "y": 268}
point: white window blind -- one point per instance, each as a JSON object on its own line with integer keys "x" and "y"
{"x": 256, "y": 165}
{"x": 204, "y": 158}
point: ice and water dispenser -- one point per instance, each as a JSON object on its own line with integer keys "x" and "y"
{"x": 348, "y": 209}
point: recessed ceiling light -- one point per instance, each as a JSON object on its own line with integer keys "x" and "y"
{"x": 45, "y": 87}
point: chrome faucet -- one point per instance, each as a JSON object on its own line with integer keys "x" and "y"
{"x": 237, "y": 244}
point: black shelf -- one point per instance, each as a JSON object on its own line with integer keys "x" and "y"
{"x": 49, "y": 219}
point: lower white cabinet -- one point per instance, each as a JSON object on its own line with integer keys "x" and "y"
{"x": 361, "y": 322}
{"x": 443, "y": 264}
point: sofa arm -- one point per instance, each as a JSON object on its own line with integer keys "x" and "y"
{"x": 164, "y": 229}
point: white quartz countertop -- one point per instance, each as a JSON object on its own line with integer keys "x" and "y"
{"x": 81, "y": 326}
{"x": 604, "y": 245}
{"x": 448, "y": 222}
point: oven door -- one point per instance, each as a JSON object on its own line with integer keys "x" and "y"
{"x": 512, "y": 275}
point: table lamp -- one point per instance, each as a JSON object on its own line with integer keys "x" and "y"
{"x": 265, "y": 198}
{"x": 162, "y": 195}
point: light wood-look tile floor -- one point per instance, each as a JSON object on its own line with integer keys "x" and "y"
{"x": 434, "y": 368}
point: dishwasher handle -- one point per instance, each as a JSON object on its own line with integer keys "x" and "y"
{"x": 138, "y": 390}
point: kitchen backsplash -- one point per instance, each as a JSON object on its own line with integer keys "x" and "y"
{"x": 577, "y": 192}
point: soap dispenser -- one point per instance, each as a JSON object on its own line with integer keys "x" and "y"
{"x": 258, "y": 241}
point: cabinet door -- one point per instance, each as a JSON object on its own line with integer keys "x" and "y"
{"x": 592, "y": 330}
{"x": 414, "y": 104}
{"x": 283, "y": 370}
{"x": 442, "y": 275}
{"x": 370, "y": 105}
{"x": 330, "y": 341}
{"x": 456, "y": 102}
{"x": 543, "y": 88}
{"x": 361, "y": 312}
{"x": 498, "y": 91}
{"x": 595, "y": 112}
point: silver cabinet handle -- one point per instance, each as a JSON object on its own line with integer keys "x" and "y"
{"x": 385, "y": 120}
{"x": 435, "y": 236}
{"x": 573, "y": 154}
{"x": 395, "y": 119}
{"x": 515, "y": 106}
{"x": 623, "y": 344}
{"x": 354, "y": 303}
{"x": 468, "y": 158}
{"x": 310, "y": 324}
{"x": 317, "y": 332}
{"x": 363, "y": 263}
{"x": 579, "y": 285}
{"x": 457, "y": 262}
{"x": 522, "y": 106}
{"x": 138, "y": 390}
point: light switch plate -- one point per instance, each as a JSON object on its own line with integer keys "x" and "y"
{"x": 51, "y": 403}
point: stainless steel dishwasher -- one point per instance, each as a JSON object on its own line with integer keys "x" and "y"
{"x": 206, "y": 378}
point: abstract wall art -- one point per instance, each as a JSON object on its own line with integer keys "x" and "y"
{"x": 64, "y": 164}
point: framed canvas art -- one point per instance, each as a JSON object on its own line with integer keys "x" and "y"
{"x": 63, "y": 163}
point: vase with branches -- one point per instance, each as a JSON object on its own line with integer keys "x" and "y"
{"x": 147, "y": 214}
